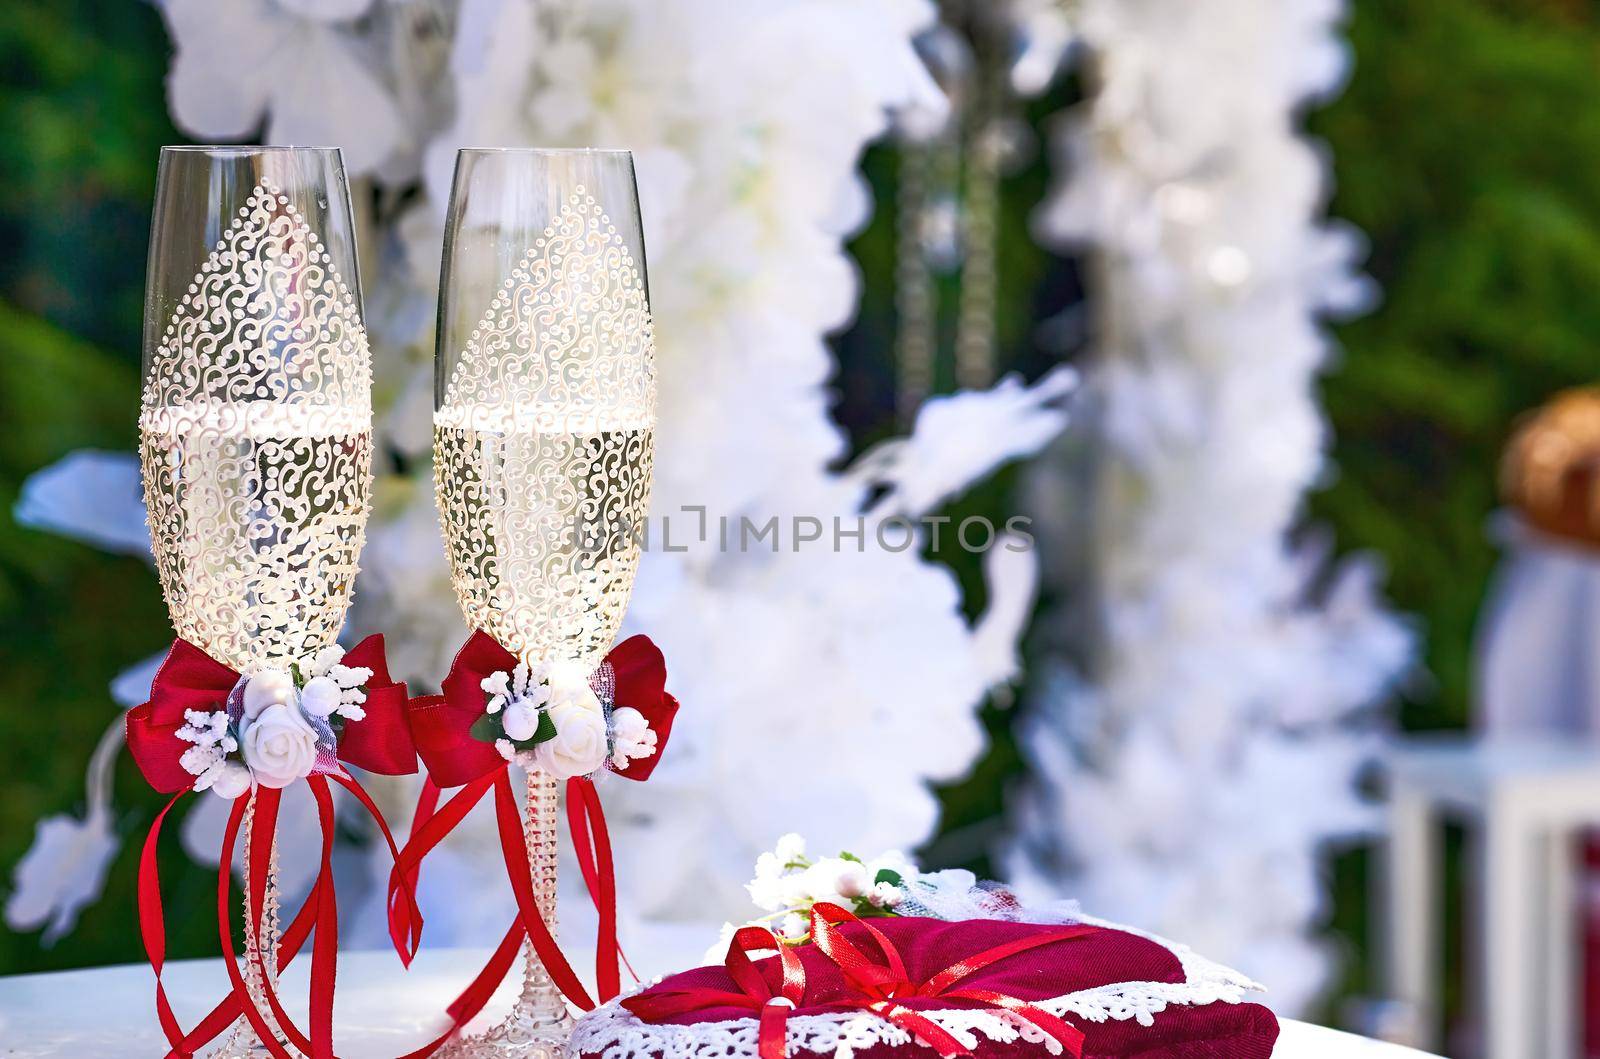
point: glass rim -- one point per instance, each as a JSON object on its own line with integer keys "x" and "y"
{"x": 546, "y": 150}
{"x": 243, "y": 148}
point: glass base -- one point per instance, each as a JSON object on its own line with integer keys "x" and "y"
{"x": 242, "y": 1043}
{"x": 517, "y": 1036}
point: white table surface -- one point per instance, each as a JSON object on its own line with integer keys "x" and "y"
{"x": 381, "y": 1010}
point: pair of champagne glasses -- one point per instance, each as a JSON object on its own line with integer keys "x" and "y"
{"x": 256, "y": 441}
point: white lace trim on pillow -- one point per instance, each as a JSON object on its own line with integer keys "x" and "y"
{"x": 613, "y": 1032}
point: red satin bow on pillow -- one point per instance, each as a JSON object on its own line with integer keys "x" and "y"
{"x": 190, "y": 679}
{"x": 880, "y": 986}
{"x": 633, "y": 675}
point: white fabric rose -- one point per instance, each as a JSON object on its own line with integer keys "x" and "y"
{"x": 850, "y": 878}
{"x": 823, "y": 878}
{"x": 270, "y": 687}
{"x": 579, "y": 745}
{"x": 794, "y": 889}
{"x": 521, "y": 720}
{"x": 279, "y": 746}
{"x": 320, "y": 697}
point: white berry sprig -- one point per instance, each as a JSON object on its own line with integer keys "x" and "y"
{"x": 330, "y": 688}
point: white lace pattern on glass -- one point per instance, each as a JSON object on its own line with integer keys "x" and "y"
{"x": 612, "y": 1032}
{"x": 544, "y": 442}
{"x": 255, "y": 436}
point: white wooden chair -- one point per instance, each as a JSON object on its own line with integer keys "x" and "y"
{"x": 1526, "y": 803}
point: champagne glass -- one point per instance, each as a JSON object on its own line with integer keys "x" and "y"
{"x": 255, "y": 426}
{"x": 544, "y": 415}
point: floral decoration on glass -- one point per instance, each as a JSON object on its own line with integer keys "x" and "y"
{"x": 559, "y": 723}
{"x": 556, "y": 719}
{"x": 277, "y": 725}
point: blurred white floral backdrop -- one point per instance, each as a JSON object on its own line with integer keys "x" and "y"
{"x": 1194, "y": 733}
{"x": 1196, "y": 739}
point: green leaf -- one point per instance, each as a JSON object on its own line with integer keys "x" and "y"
{"x": 893, "y": 878}
{"x": 847, "y": 855}
{"x": 545, "y": 731}
{"x": 865, "y": 909}
{"x": 487, "y": 729}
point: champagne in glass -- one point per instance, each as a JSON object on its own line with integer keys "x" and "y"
{"x": 255, "y": 426}
{"x": 543, "y": 443}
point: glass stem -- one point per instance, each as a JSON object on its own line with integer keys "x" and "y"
{"x": 538, "y": 1025}
{"x": 243, "y": 1042}
{"x": 541, "y": 1001}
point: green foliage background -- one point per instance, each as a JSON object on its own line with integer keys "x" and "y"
{"x": 1466, "y": 147}
{"x": 84, "y": 112}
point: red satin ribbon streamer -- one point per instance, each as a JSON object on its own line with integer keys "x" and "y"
{"x": 400, "y": 921}
{"x": 190, "y": 679}
{"x": 319, "y": 913}
{"x": 881, "y": 985}
{"x": 228, "y": 1011}
{"x": 592, "y": 841}
{"x": 433, "y": 822}
{"x": 441, "y": 726}
{"x": 431, "y": 827}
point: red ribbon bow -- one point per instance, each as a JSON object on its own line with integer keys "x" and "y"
{"x": 880, "y": 986}
{"x": 190, "y": 679}
{"x": 441, "y": 726}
